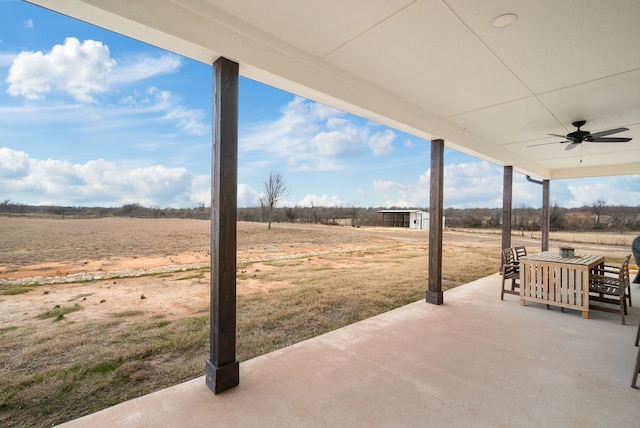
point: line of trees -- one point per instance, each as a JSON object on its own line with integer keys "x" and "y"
{"x": 135, "y": 210}
{"x": 599, "y": 216}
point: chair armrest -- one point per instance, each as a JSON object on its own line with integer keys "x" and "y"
{"x": 603, "y": 280}
{"x": 511, "y": 265}
{"x": 606, "y": 269}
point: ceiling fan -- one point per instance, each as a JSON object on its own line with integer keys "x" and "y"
{"x": 576, "y": 138}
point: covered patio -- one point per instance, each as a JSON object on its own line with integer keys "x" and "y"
{"x": 491, "y": 79}
{"x": 473, "y": 361}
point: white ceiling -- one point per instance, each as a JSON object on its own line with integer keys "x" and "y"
{"x": 432, "y": 68}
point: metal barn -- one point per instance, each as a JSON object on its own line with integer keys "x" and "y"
{"x": 413, "y": 219}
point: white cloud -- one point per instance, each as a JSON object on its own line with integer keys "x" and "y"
{"x": 200, "y": 190}
{"x": 313, "y": 137}
{"x": 79, "y": 69}
{"x": 154, "y": 100}
{"x": 320, "y": 201}
{"x": 143, "y": 67}
{"x": 332, "y": 144}
{"x": 384, "y": 186}
{"x": 96, "y": 182}
{"x": 336, "y": 123}
{"x": 189, "y": 120}
{"x": 617, "y": 190}
{"x": 394, "y": 194}
{"x": 136, "y": 119}
{"x": 13, "y": 164}
{"x": 479, "y": 185}
{"x": 585, "y": 194}
{"x": 28, "y": 23}
{"x": 466, "y": 185}
{"x": 381, "y": 143}
{"x": 247, "y": 197}
{"x": 472, "y": 184}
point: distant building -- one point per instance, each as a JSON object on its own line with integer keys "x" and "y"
{"x": 412, "y": 219}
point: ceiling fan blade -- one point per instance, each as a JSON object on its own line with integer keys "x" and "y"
{"x": 610, "y": 140}
{"x": 558, "y": 135}
{"x": 572, "y": 146}
{"x": 595, "y": 135}
{"x": 546, "y": 144}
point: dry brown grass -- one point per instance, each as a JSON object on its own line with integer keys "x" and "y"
{"x": 53, "y": 370}
{"x": 60, "y": 371}
{"x": 334, "y": 291}
{"x": 597, "y": 238}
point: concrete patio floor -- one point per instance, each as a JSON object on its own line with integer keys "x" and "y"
{"x": 474, "y": 361}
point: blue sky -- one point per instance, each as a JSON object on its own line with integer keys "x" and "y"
{"x": 92, "y": 118}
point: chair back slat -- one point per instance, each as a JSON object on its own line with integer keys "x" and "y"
{"x": 624, "y": 271}
{"x": 511, "y": 272}
{"x": 509, "y": 266}
{"x": 520, "y": 251}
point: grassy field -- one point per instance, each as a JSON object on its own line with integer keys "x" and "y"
{"x": 598, "y": 238}
{"x": 65, "y": 360}
{"x": 66, "y": 369}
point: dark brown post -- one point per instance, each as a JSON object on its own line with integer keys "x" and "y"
{"x": 507, "y": 194}
{"x": 434, "y": 290}
{"x": 546, "y": 219}
{"x": 222, "y": 369}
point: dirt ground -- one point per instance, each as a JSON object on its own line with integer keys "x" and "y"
{"x": 159, "y": 266}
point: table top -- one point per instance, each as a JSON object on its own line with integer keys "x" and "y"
{"x": 554, "y": 257}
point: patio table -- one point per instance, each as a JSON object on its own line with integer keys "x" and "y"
{"x": 551, "y": 279}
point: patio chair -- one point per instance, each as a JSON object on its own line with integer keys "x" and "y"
{"x": 636, "y": 370}
{"x": 635, "y": 250}
{"x": 608, "y": 284}
{"x": 510, "y": 270}
{"x": 520, "y": 251}
{"x": 614, "y": 270}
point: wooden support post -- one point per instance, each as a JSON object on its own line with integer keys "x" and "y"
{"x": 507, "y": 195}
{"x": 223, "y": 369}
{"x": 546, "y": 216}
{"x": 434, "y": 290}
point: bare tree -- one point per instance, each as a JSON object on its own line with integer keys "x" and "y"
{"x": 275, "y": 190}
{"x": 556, "y": 217}
{"x": 264, "y": 209}
{"x": 291, "y": 214}
{"x": 353, "y": 211}
{"x": 598, "y": 208}
{"x": 6, "y": 206}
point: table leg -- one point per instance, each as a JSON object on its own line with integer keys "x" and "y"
{"x": 585, "y": 314}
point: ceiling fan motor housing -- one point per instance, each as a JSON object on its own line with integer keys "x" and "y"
{"x": 578, "y": 135}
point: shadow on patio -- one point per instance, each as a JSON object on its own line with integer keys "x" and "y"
{"x": 474, "y": 361}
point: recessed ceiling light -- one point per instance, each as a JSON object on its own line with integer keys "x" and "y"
{"x": 504, "y": 20}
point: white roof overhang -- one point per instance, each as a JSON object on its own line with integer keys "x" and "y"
{"x": 434, "y": 69}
